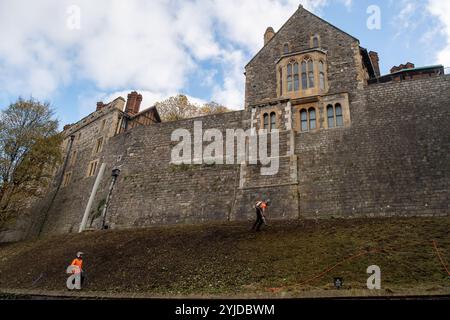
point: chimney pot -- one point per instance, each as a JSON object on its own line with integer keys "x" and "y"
{"x": 100, "y": 105}
{"x": 270, "y": 33}
{"x": 375, "y": 62}
{"x": 133, "y": 103}
{"x": 401, "y": 67}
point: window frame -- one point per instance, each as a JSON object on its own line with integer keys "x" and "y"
{"x": 99, "y": 145}
{"x": 73, "y": 157}
{"x": 339, "y": 116}
{"x": 303, "y": 75}
{"x": 315, "y": 38}
{"x": 331, "y": 117}
{"x": 311, "y": 118}
{"x": 92, "y": 168}
{"x": 273, "y": 121}
{"x": 335, "y": 119}
{"x": 67, "y": 179}
{"x": 266, "y": 123}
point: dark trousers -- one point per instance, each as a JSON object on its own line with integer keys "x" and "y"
{"x": 259, "y": 220}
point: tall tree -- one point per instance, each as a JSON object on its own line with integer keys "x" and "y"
{"x": 179, "y": 107}
{"x": 30, "y": 148}
{"x": 176, "y": 108}
{"x": 213, "y": 108}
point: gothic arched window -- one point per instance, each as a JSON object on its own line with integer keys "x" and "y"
{"x": 293, "y": 77}
{"x": 304, "y": 76}
{"x": 281, "y": 80}
{"x": 330, "y": 115}
{"x": 304, "y": 120}
{"x": 289, "y": 77}
{"x": 310, "y": 74}
{"x": 266, "y": 121}
{"x": 296, "y": 78}
{"x": 273, "y": 121}
{"x": 339, "y": 117}
{"x": 315, "y": 41}
{"x": 312, "y": 118}
{"x": 321, "y": 75}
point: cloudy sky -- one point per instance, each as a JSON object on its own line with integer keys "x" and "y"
{"x": 73, "y": 53}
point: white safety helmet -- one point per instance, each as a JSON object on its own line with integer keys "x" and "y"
{"x": 79, "y": 254}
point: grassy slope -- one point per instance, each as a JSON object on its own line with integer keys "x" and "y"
{"x": 227, "y": 259}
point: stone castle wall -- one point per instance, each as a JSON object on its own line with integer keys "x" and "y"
{"x": 393, "y": 160}
{"x": 149, "y": 189}
{"x": 392, "y": 157}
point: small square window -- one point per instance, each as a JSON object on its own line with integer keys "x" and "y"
{"x": 66, "y": 179}
{"x": 99, "y": 145}
{"x": 92, "y": 168}
{"x": 103, "y": 125}
{"x": 73, "y": 158}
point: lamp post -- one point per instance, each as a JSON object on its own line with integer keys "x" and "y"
{"x": 115, "y": 174}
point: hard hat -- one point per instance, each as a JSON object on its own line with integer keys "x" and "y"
{"x": 79, "y": 254}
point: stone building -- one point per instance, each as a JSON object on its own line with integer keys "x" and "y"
{"x": 353, "y": 143}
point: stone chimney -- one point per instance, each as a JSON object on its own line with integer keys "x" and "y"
{"x": 375, "y": 62}
{"x": 100, "y": 106}
{"x": 268, "y": 35}
{"x": 401, "y": 67}
{"x": 133, "y": 103}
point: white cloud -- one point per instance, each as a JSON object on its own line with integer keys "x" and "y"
{"x": 154, "y": 46}
{"x": 441, "y": 9}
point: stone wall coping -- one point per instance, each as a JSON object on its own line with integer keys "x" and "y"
{"x": 375, "y": 86}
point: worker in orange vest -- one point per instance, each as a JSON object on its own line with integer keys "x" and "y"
{"x": 261, "y": 207}
{"x": 78, "y": 262}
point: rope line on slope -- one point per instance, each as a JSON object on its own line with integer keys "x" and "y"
{"x": 364, "y": 253}
{"x": 440, "y": 257}
{"x": 326, "y": 271}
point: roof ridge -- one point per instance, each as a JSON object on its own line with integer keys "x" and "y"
{"x": 300, "y": 7}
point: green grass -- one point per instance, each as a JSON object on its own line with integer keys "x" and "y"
{"x": 226, "y": 259}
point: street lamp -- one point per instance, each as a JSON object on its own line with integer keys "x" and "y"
{"x": 115, "y": 174}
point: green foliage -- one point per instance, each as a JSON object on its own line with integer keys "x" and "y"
{"x": 29, "y": 152}
{"x": 99, "y": 210}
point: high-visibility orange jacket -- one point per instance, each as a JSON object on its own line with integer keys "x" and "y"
{"x": 77, "y": 262}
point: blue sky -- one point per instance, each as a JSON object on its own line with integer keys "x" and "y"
{"x": 74, "y": 53}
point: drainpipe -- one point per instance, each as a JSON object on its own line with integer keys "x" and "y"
{"x": 115, "y": 174}
{"x": 58, "y": 185}
{"x": 91, "y": 198}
